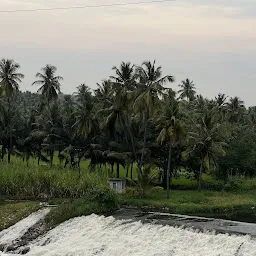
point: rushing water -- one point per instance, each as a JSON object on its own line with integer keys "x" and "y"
{"x": 20, "y": 228}
{"x": 95, "y": 235}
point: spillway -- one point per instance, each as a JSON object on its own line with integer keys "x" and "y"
{"x": 99, "y": 235}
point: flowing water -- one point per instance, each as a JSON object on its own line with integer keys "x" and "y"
{"x": 98, "y": 235}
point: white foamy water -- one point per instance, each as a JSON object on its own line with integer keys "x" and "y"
{"x": 95, "y": 235}
{"x": 19, "y": 229}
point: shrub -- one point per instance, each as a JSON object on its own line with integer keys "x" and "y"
{"x": 214, "y": 185}
{"x": 130, "y": 191}
{"x": 157, "y": 189}
{"x": 233, "y": 183}
{"x": 103, "y": 195}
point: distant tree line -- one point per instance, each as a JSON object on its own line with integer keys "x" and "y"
{"x": 133, "y": 119}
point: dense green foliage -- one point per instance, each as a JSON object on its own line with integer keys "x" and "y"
{"x": 133, "y": 120}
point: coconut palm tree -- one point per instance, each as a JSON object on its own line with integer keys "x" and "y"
{"x": 206, "y": 142}
{"x": 187, "y": 90}
{"x": 86, "y": 120}
{"x": 104, "y": 90}
{"x": 221, "y": 99}
{"x": 84, "y": 95}
{"x": 49, "y": 83}
{"x": 116, "y": 117}
{"x": 150, "y": 88}
{"x": 9, "y": 77}
{"x": 234, "y": 108}
{"x": 9, "y": 82}
{"x": 125, "y": 76}
{"x": 171, "y": 129}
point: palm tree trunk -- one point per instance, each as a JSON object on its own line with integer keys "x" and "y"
{"x": 10, "y": 147}
{"x": 200, "y": 176}
{"x": 10, "y": 130}
{"x": 131, "y": 170}
{"x": 60, "y": 159}
{"x": 79, "y": 168}
{"x": 112, "y": 169}
{"x": 66, "y": 163}
{"x": 131, "y": 137}
{"x": 127, "y": 171}
{"x": 51, "y": 157}
{"x": 168, "y": 176}
{"x": 117, "y": 170}
{"x": 38, "y": 159}
{"x": 27, "y": 158}
{"x": 144, "y": 143}
{"x": 2, "y": 153}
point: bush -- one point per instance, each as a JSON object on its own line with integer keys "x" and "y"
{"x": 248, "y": 184}
{"x": 157, "y": 189}
{"x": 213, "y": 185}
{"x": 130, "y": 191}
{"x": 233, "y": 183}
{"x": 103, "y": 195}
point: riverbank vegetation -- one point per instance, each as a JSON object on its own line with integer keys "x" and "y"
{"x": 227, "y": 205}
{"x": 97, "y": 201}
{"x": 132, "y": 126}
{"x": 13, "y": 211}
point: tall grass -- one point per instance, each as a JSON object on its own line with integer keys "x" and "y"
{"x": 21, "y": 181}
{"x": 98, "y": 200}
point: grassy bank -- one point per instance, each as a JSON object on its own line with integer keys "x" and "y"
{"x": 97, "y": 200}
{"x": 206, "y": 203}
{"x": 18, "y": 180}
{"x": 12, "y": 212}
{"x": 75, "y": 194}
{"x": 89, "y": 193}
{"x": 181, "y": 182}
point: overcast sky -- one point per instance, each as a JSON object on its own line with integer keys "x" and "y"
{"x": 212, "y": 42}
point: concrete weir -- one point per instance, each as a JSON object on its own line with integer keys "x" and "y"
{"x": 200, "y": 223}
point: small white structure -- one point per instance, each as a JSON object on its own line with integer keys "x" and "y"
{"x": 117, "y": 184}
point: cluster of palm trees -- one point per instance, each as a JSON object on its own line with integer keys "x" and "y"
{"x": 133, "y": 119}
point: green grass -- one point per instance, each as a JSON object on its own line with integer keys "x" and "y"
{"x": 12, "y": 212}
{"x": 194, "y": 202}
{"x": 180, "y": 183}
{"x": 18, "y": 180}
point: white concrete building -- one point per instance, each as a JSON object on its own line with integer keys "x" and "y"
{"x": 117, "y": 184}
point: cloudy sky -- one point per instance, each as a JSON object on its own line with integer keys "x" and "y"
{"x": 212, "y": 42}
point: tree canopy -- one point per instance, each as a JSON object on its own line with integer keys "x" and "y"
{"x": 132, "y": 119}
